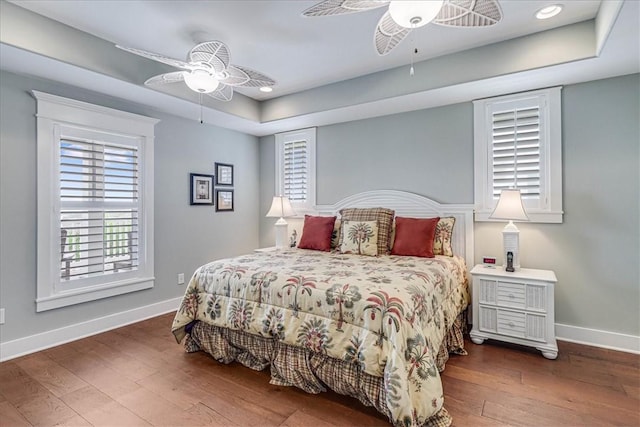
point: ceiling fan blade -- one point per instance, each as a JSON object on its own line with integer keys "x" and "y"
{"x": 176, "y": 76}
{"x": 388, "y": 34}
{"x": 222, "y": 93}
{"x": 235, "y": 76}
{"x": 254, "y": 78}
{"x": 339, "y": 7}
{"x": 469, "y": 13}
{"x": 214, "y": 53}
{"x": 157, "y": 57}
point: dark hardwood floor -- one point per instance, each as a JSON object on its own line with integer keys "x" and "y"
{"x": 139, "y": 376}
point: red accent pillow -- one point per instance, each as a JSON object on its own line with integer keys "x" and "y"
{"x": 414, "y": 237}
{"x": 316, "y": 233}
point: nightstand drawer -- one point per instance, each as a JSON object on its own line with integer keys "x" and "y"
{"x": 511, "y": 323}
{"x": 511, "y": 295}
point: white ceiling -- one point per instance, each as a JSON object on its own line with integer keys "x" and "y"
{"x": 310, "y": 54}
{"x": 274, "y": 38}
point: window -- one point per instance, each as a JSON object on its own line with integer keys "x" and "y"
{"x": 517, "y": 144}
{"x": 95, "y": 202}
{"x": 295, "y": 168}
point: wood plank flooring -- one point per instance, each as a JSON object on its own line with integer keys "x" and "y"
{"x": 139, "y": 376}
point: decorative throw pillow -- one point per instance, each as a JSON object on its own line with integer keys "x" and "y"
{"x": 360, "y": 237}
{"x": 384, "y": 217}
{"x": 442, "y": 239}
{"x": 335, "y": 235}
{"x": 414, "y": 237}
{"x": 316, "y": 233}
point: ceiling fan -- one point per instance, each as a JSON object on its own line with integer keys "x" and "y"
{"x": 206, "y": 71}
{"x": 403, "y": 16}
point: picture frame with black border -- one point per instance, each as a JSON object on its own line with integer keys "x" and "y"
{"x": 201, "y": 189}
{"x": 224, "y": 174}
{"x": 224, "y": 200}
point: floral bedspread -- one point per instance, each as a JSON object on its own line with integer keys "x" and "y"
{"x": 386, "y": 314}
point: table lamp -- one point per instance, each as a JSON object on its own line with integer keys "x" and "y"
{"x": 281, "y": 207}
{"x": 510, "y": 207}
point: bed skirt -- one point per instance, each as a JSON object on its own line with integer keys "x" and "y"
{"x": 310, "y": 371}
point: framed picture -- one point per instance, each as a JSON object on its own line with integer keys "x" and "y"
{"x": 224, "y": 174}
{"x": 224, "y": 200}
{"x": 201, "y": 189}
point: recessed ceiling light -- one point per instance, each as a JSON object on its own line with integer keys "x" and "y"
{"x": 549, "y": 11}
{"x": 266, "y": 89}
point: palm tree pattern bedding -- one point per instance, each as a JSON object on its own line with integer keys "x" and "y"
{"x": 387, "y": 315}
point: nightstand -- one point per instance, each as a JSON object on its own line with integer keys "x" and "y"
{"x": 515, "y": 307}
{"x": 269, "y": 249}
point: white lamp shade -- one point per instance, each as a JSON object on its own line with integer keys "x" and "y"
{"x": 200, "y": 81}
{"x": 510, "y": 207}
{"x": 414, "y": 14}
{"x": 280, "y": 208}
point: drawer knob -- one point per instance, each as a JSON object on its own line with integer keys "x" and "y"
{"x": 511, "y": 296}
{"x": 511, "y": 324}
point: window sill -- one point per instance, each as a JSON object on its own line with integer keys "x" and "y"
{"x": 301, "y": 211}
{"x": 64, "y": 299}
{"x": 535, "y": 217}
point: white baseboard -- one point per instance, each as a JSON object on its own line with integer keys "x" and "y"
{"x": 598, "y": 338}
{"x": 44, "y": 340}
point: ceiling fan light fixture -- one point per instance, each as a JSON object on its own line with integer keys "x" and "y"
{"x": 266, "y": 89}
{"x": 201, "y": 81}
{"x": 414, "y": 14}
{"x": 549, "y": 11}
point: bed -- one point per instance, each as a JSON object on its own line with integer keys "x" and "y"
{"x": 377, "y": 328}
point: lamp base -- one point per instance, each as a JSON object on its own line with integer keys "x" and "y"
{"x": 511, "y": 243}
{"x": 281, "y": 234}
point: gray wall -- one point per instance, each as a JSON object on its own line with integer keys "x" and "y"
{"x": 185, "y": 236}
{"x": 410, "y": 151}
{"x": 594, "y": 252}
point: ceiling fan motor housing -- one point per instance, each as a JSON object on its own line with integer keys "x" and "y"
{"x": 201, "y": 80}
{"x": 414, "y": 14}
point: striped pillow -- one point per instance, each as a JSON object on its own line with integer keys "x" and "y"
{"x": 384, "y": 217}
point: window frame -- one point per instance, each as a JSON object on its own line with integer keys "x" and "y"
{"x": 56, "y": 114}
{"x": 549, "y": 209}
{"x": 281, "y": 139}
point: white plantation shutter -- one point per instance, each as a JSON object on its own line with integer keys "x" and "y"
{"x": 99, "y": 208}
{"x": 95, "y": 202}
{"x": 516, "y": 151}
{"x": 517, "y": 144}
{"x": 296, "y": 171}
{"x": 295, "y": 168}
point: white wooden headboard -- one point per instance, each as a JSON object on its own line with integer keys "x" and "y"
{"x": 412, "y": 205}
